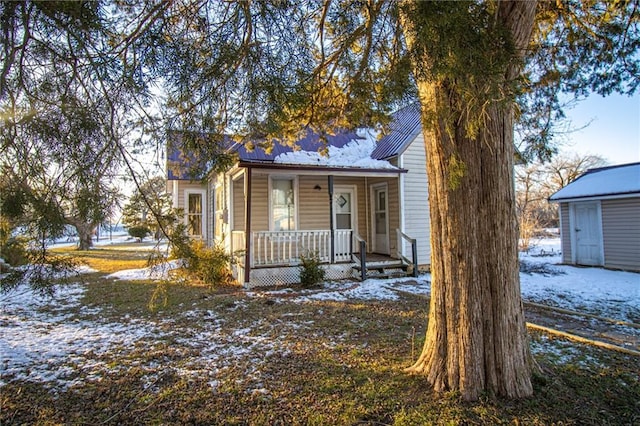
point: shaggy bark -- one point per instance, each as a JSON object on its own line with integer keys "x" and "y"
{"x": 476, "y": 336}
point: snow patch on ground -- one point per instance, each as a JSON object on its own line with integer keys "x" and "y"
{"x": 53, "y": 340}
{"x": 156, "y": 272}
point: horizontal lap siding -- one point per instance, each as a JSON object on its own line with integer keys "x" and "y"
{"x": 259, "y": 202}
{"x": 565, "y": 233}
{"x": 621, "y": 233}
{"x": 313, "y": 204}
{"x": 238, "y": 204}
{"x": 416, "y": 199}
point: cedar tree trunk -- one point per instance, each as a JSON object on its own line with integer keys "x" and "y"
{"x": 476, "y": 336}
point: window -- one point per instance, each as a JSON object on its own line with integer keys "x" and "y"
{"x": 194, "y": 201}
{"x": 283, "y": 207}
{"x": 219, "y": 218}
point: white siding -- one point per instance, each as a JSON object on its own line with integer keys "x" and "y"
{"x": 416, "y": 199}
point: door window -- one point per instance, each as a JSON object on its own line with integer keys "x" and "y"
{"x": 343, "y": 210}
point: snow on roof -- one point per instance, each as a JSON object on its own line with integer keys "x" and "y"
{"x": 356, "y": 153}
{"x": 605, "y": 181}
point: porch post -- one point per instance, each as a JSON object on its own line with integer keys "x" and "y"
{"x": 247, "y": 225}
{"x": 331, "y": 225}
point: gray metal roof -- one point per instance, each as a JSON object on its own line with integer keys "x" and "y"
{"x": 311, "y": 142}
{"x": 403, "y": 129}
{"x": 619, "y": 180}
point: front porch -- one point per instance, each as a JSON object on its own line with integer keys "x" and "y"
{"x": 279, "y": 213}
{"x": 276, "y": 256}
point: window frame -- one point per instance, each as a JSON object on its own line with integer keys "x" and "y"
{"x": 203, "y": 219}
{"x": 294, "y": 185}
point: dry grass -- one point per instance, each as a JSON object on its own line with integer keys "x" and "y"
{"x": 329, "y": 363}
{"x": 109, "y": 259}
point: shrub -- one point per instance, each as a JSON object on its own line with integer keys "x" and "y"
{"x": 139, "y": 232}
{"x": 311, "y": 272}
{"x": 211, "y": 265}
{"x": 12, "y": 249}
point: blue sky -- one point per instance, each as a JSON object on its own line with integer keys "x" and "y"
{"x": 612, "y": 128}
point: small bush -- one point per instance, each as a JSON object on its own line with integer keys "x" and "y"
{"x": 311, "y": 272}
{"x": 211, "y": 265}
{"x": 139, "y": 232}
{"x": 12, "y": 249}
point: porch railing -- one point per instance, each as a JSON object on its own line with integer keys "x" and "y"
{"x": 272, "y": 248}
{"x": 414, "y": 250}
{"x": 237, "y": 241}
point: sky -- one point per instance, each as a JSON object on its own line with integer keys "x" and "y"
{"x": 612, "y": 128}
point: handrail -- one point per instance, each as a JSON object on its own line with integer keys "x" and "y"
{"x": 414, "y": 250}
{"x": 362, "y": 245}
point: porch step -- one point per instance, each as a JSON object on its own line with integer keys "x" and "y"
{"x": 384, "y": 270}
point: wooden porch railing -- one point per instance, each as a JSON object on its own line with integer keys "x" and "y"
{"x": 271, "y": 248}
{"x": 362, "y": 253}
{"x": 414, "y": 250}
{"x": 237, "y": 241}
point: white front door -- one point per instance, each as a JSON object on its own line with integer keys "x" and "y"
{"x": 587, "y": 235}
{"x": 380, "y": 220}
{"x": 344, "y": 219}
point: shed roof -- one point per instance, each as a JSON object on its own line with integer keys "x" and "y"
{"x": 620, "y": 180}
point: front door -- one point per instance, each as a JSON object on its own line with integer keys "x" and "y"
{"x": 586, "y": 231}
{"x": 344, "y": 216}
{"x": 380, "y": 220}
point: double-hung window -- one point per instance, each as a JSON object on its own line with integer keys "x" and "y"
{"x": 195, "y": 213}
{"x": 283, "y": 204}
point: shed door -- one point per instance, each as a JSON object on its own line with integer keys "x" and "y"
{"x": 587, "y": 236}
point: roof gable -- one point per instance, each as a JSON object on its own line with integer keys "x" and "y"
{"x": 622, "y": 179}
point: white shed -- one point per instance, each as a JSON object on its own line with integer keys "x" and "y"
{"x": 600, "y": 218}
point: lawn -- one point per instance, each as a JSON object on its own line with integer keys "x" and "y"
{"x": 100, "y": 353}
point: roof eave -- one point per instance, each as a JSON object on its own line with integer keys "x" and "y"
{"x": 312, "y": 168}
{"x": 628, "y": 194}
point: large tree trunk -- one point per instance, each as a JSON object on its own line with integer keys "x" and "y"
{"x": 476, "y": 336}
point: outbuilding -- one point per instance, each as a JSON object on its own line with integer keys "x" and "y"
{"x": 600, "y": 218}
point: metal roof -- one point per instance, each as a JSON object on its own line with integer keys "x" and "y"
{"x": 403, "y": 129}
{"x": 620, "y": 180}
{"x": 311, "y": 142}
